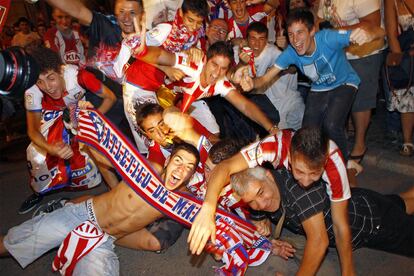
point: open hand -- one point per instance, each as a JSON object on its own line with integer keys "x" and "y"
{"x": 203, "y": 227}
{"x": 282, "y": 249}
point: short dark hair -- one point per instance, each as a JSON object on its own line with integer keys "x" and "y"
{"x": 312, "y": 143}
{"x": 139, "y": 2}
{"x": 188, "y": 148}
{"x": 142, "y": 111}
{"x": 306, "y": 2}
{"x": 225, "y": 149}
{"x": 257, "y": 27}
{"x": 199, "y": 7}
{"x": 23, "y": 19}
{"x": 301, "y": 15}
{"x": 46, "y": 59}
{"x": 221, "y": 48}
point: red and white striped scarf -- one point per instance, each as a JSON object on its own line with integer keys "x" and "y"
{"x": 180, "y": 38}
{"x": 95, "y": 130}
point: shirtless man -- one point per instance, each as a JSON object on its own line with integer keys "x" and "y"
{"x": 119, "y": 213}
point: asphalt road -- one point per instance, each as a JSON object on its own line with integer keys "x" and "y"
{"x": 177, "y": 260}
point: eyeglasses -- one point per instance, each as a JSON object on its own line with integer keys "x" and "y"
{"x": 219, "y": 30}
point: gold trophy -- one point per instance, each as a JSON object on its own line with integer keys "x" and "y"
{"x": 166, "y": 97}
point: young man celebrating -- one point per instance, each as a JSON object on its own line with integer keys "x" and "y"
{"x": 64, "y": 40}
{"x": 285, "y": 152}
{"x": 205, "y": 79}
{"x": 54, "y": 160}
{"x": 243, "y": 15}
{"x": 282, "y": 92}
{"x": 382, "y": 222}
{"x": 320, "y": 56}
{"x": 118, "y": 215}
{"x": 151, "y": 121}
{"x": 105, "y": 32}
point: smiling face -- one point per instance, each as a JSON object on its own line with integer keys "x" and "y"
{"x": 51, "y": 83}
{"x": 181, "y": 166}
{"x": 217, "y": 31}
{"x": 257, "y": 42}
{"x": 303, "y": 173}
{"x": 191, "y": 20}
{"x": 155, "y": 128}
{"x": 125, "y": 11}
{"x": 301, "y": 38}
{"x": 214, "y": 70}
{"x": 262, "y": 195}
{"x": 239, "y": 10}
{"x": 63, "y": 20}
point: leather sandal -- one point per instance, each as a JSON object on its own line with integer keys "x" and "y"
{"x": 358, "y": 158}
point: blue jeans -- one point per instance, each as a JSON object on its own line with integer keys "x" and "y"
{"x": 329, "y": 110}
{"x": 31, "y": 239}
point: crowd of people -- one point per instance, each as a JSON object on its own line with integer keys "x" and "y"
{"x": 244, "y": 104}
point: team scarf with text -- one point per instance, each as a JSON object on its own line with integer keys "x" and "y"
{"x": 237, "y": 242}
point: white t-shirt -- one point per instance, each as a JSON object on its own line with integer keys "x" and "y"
{"x": 349, "y": 12}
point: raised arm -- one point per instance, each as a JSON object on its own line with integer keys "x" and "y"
{"x": 74, "y": 8}
{"x": 266, "y": 79}
{"x": 157, "y": 55}
{"x": 204, "y": 224}
{"x": 316, "y": 244}
{"x": 181, "y": 125}
{"x": 269, "y": 5}
{"x": 249, "y": 109}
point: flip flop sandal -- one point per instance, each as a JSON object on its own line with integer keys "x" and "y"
{"x": 358, "y": 158}
{"x": 407, "y": 149}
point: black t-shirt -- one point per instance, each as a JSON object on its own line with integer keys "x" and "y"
{"x": 103, "y": 31}
{"x": 301, "y": 204}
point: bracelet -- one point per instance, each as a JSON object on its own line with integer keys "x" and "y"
{"x": 272, "y": 128}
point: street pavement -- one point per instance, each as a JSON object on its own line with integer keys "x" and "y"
{"x": 384, "y": 171}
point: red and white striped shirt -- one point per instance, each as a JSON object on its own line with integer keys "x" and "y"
{"x": 69, "y": 48}
{"x": 256, "y": 14}
{"x": 191, "y": 84}
{"x": 275, "y": 149}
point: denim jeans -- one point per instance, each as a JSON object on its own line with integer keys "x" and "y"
{"x": 31, "y": 239}
{"x": 329, "y": 110}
